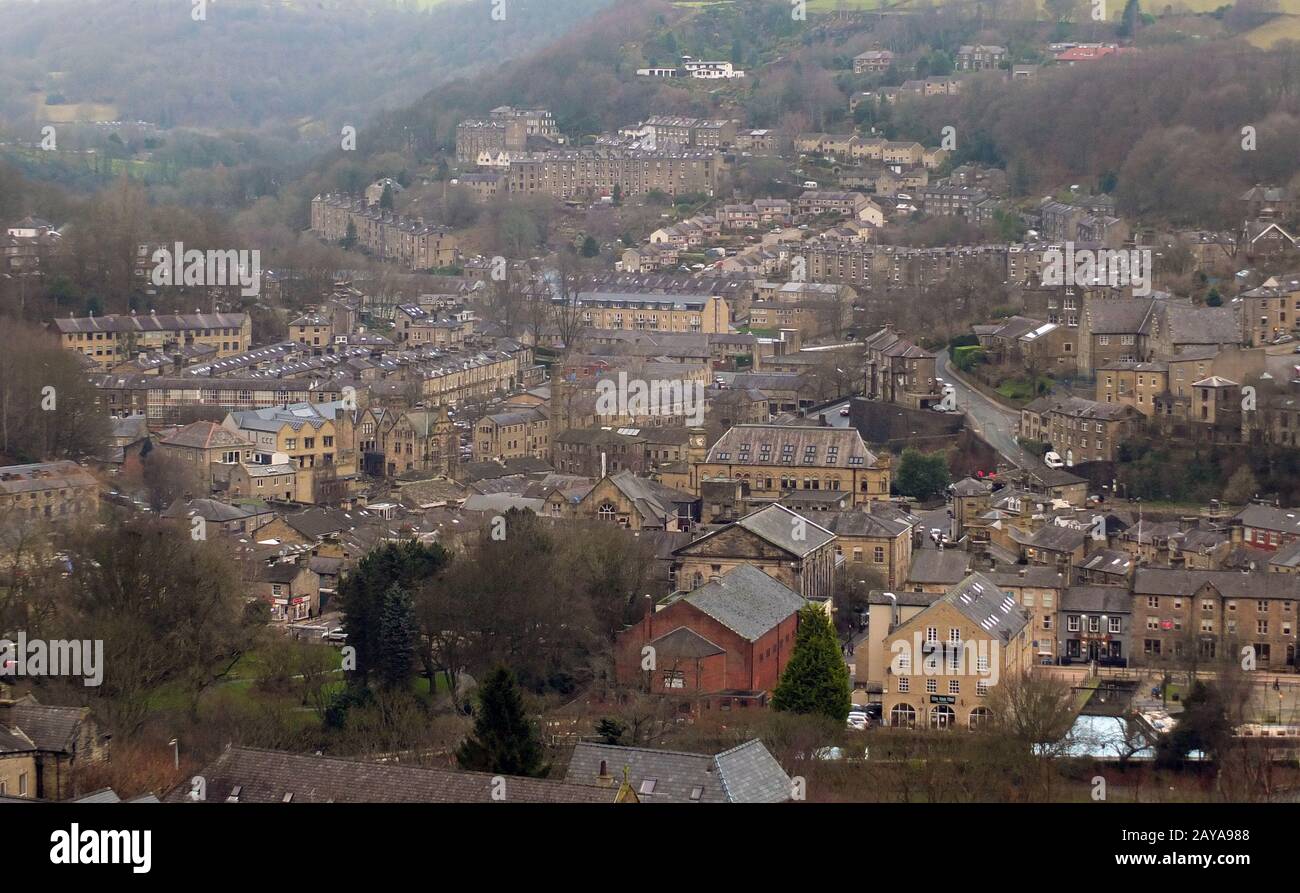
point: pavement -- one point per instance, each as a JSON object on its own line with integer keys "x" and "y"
{"x": 986, "y": 417}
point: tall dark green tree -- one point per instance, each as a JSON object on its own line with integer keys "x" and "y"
{"x": 1129, "y": 19}
{"x": 386, "y": 198}
{"x": 397, "y": 631}
{"x": 504, "y": 739}
{"x": 921, "y": 475}
{"x": 816, "y": 680}
{"x": 362, "y": 595}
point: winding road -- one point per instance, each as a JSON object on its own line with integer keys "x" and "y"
{"x": 986, "y": 417}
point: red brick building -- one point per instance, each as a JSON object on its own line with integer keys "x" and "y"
{"x": 721, "y": 646}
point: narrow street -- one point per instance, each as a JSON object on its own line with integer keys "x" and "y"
{"x": 986, "y": 417}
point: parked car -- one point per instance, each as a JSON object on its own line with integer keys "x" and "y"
{"x": 844, "y": 411}
{"x": 1053, "y": 460}
{"x": 858, "y": 721}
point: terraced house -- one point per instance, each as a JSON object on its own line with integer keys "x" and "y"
{"x": 110, "y": 340}
{"x": 1182, "y": 617}
{"x": 410, "y": 242}
{"x": 1080, "y": 430}
{"x": 572, "y": 174}
{"x": 700, "y": 312}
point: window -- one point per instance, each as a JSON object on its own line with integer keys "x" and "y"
{"x": 902, "y": 716}
{"x": 606, "y": 511}
{"x": 1072, "y": 623}
{"x": 932, "y": 686}
{"x": 954, "y": 686}
{"x": 1114, "y": 624}
{"x": 904, "y": 684}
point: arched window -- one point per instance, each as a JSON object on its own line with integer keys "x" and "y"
{"x": 606, "y": 511}
{"x": 942, "y": 717}
{"x": 902, "y": 716}
{"x": 980, "y": 717}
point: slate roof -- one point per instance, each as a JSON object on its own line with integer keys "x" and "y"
{"x": 280, "y": 572}
{"x": 50, "y": 728}
{"x": 1189, "y": 324}
{"x": 746, "y": 601}
{"x": 862, "y": 524}
{"x": 654, "y": 502}
{"x": 940, "y": 566}
{"x": 1233, "y": 584}
{"x": 1081, "y": 407}
{"x": 1097, "y": 599}
{"x": 269, "y": 776}
{"x": 980, "y": 600}
{"x": 1108, "y": 561}
{"x": 1287, "y": 556}
{"x": 1056, "y": 538}
{"x": 747, "y": 773}
{"x": 1037, "y": 575}
{"x": 750, "y": 774}
{"x": 44, "y": 476}
{"x": 1121, "y": 316}
{"x": 207, "y": 509}
{"x": 502, "y": 502}
{"x": 314, "y": 523}
{"x": 152, "y": 322}
{"x": 1267, "y": 517}
{"x": 969, "y": 486}
{"x": 13, "y": 741}
{"x": 781, "y": 527}
{"x": 847, "y": 441}
{"x": 205, "y": 435}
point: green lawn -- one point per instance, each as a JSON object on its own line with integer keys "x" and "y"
{"x": 1022, "y": 389}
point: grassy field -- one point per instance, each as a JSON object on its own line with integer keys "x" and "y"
{"x": 73, "y": 111}
{"x": 1286, "y": 27}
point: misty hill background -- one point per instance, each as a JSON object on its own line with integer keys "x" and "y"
{"x": 255, "y": 63}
